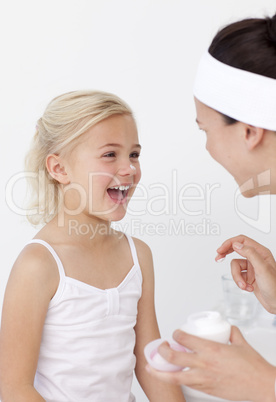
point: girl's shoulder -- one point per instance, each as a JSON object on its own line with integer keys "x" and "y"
{"x": 143, "y": 250}
{"x": 144, "y": 255}
{"x": 36, "y": 264}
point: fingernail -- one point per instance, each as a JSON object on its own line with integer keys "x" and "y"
{"x": 238, "y": 246}
{"x": 220, "y": 259}
{"x": 241, "y": 285}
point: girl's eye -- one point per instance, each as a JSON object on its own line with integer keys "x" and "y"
{"x": 135, "y": 155}
{"x": 109, "y": 155}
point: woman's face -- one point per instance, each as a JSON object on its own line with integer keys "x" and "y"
{"x": 225, "y": 143}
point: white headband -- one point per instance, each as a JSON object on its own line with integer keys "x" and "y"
{"x": 242, "y": 95}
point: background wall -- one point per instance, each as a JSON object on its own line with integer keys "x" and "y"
{"x": 146, "y": 51}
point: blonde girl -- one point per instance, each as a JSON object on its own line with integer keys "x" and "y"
{"x": 79, "y": 303}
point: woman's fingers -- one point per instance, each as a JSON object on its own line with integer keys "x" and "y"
{"x": 193, "y": 344}
{"x": 243, "y": 274}
{"x": 256, "y": 260}
{"x": 190, "y": 342}
{"x": 228, "y": 247}
{"x": 183, "y": 359}
{"x": 175, "y": 378}
{"x": 257, "y": 273}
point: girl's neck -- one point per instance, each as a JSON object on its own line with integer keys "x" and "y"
{"x": 83, "y": 229}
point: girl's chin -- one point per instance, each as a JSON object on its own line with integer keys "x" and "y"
{"x": 116, "y": 217}
{"x": 108, "y": 217}
{"x": 116, "y": 212}
{"x": 114, "y": 209}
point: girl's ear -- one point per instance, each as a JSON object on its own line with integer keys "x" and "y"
{"x": 254, "y": 136}
{"x": 56, "y": 169}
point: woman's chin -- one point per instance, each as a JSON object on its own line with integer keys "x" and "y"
{"x": 248, "y": 193}
{"x": 247, "y": 188}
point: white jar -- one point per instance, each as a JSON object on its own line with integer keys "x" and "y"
{"x": 208, "y": 325}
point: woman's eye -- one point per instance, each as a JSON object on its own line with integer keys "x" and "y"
{"x": 135, "y": 155}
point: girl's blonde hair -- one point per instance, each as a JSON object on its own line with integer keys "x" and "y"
{"x": 65, "y": 119}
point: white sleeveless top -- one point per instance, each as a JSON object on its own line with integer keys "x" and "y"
{"x": 86, "y": 352}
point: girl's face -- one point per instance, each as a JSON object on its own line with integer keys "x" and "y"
{"x": 225, "y": 143}
{"x": 103, "y": 169}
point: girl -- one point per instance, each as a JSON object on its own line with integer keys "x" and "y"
{"x": 79, "y": 304}
{"x": 235, "y": 95}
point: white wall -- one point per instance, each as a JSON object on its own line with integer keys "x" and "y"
{"x": 146, "y": 51}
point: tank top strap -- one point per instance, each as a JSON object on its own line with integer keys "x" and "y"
{"x": 54, "y": 254}
{"x": 133, "y": 250}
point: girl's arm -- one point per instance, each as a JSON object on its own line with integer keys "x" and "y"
{"x": 32, "y": 284}
{"x": 147, "y": 330}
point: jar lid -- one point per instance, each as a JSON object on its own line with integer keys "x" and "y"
{"x": 156, "y": 360}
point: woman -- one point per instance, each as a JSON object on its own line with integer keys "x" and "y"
{"x": 235, "y": 96}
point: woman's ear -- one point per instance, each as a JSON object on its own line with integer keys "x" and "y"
{"x": 254, "y": 136}
{"x": 56, "y": 169}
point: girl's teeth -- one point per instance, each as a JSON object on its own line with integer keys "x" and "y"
{"x": 122, "y": 188}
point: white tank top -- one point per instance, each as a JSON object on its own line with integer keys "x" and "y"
{"x": 86, "y": 351}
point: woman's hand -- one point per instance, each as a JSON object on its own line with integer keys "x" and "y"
{"x": 255, "y": 272}
{"x": 236, "y": 372}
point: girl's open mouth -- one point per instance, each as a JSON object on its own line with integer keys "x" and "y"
{"x": 118, "y": 193}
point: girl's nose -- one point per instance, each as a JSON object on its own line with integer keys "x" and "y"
{"x": 127, "y": 170}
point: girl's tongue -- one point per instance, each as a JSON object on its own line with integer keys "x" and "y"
{"x": 116, "y": 195}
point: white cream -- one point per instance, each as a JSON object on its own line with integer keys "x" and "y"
{"x": 209, "y": 325}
